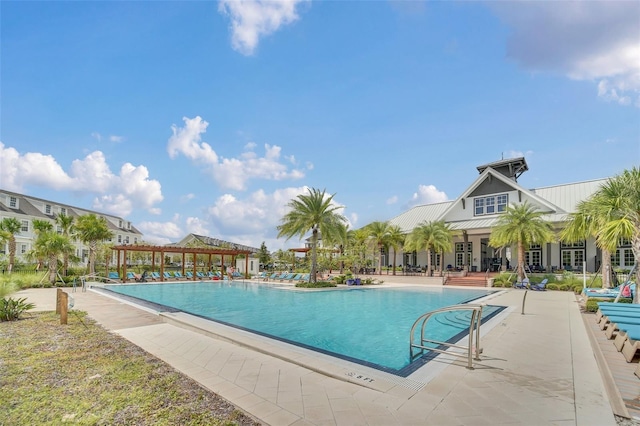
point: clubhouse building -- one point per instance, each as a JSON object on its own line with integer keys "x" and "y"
{"x": 477, "y": 210}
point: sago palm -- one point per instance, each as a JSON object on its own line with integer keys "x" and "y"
{"x": 313, "y": 212}
{"x": 52, "y": 245}
{"x": 10, "y": 226}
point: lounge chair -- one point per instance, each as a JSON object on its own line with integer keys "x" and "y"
{"x": 132, "y": 276}
{"x": 201, "y": 275}
{"x": 524, "y": 284}
{"x": 621, "y": 308}
{"x": 541, "y": 286}
{"x": 167, "y": 276}
{"x": 630, "y": 335}
{"x": 155, "y": 276}
{"x": 178, "y": 275}
{"x": 189, "y": 275}
{"x": 114, "y": 276}
{"x": 304, "y": 278}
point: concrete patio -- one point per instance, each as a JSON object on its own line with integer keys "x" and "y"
{"x": 538, "y": 368}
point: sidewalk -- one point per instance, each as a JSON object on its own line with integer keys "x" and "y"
{"x": 536, "y": 369}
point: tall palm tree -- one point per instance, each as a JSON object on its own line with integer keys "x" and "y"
{"x": 10, "y": 226}
{"x": 92, "y": 229}
{"x": 395, "y": 239}
{"x": 51, "y": 245}
{"x": 444, "y": 244}
{"x": 429, "y": 236}
{"x": 378, "y": 232}
{"x": 66, "y": 223}
{"x": 313, "y": 211}
{"x": 586, "y": 222}
{"x": 618, "y": 202}
{"x": 521, "y": 225}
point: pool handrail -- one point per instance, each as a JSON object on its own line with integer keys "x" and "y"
{"x": 474, "y": 323}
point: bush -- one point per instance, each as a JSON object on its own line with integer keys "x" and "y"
{"x": 564, "y": 287}
{"x": 11, "y": 309}
{"x": 553, "y": 287}
{"x": 319, "y": 284}
{"x": 577, "y": 289}
{"x": 592, "y": 305}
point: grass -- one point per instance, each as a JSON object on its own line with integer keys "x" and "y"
{"x": 82, "y": 374}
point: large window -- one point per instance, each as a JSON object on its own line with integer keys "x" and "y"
{"x": 460, "y": 254}
{"x": 13, "y": 202}
{"x": 491, "y": 204}
{"x": 25, "y": 226}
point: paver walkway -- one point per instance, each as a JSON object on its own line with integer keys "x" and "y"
{"x": 537, "y": 369}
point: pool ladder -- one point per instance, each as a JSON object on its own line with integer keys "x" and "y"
{"x": 471, "y": 349}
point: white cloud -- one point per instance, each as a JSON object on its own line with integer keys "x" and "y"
{"x": 117, "y": 194}
{"x": 584, "y": 40}
{"x": 257, "y": 215}
{"x": 197, "y": 226}
{"x": 116, "y": 138}
{"x": 229, "y": 173}
{"x": 427, "y": 194}
{"x": 392, "y": 200}
{"x": 252, "y": 19}
{"x": 161, "y": 232}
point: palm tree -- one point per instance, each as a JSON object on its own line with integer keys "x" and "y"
{"x": 617, "y": 204}
{"x": 429, "y": 236}
{"x": 40, "y": 226}
{"x": 51, "y": 245}
{"x": 522, "y": 225}
{"x": 378, "y": 232}
{"x": 10, "y": 226}
{"x": 444, "y": 244}
{"x": 313, "y": 211}
{"x": 395, "y": 239}
{"x": 586, "y": 222}
{"x": 66, "y": 223}
{"x": 92, "y": 229}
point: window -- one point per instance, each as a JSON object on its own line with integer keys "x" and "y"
{"x": 126, "y": 240}
{"x": 25, "y": 226}
{"x": 47, "y": 208}
{"x": 63, "y": 210}
{"x": 135, "y": 240}
{"x": 491, "y": 204}
{"x": 119, "y": 239}
{"x": 629, "y": 258}
{"x": 13, "y": 202}
{"x": 23, "y": 248}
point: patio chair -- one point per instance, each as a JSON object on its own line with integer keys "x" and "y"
{"x": 155, "y": 276}
{"x": 114, "y": 276}
{"x": 524, "y": 284}
{"x": 541, "y": 286}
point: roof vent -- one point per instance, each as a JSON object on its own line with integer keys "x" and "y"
{"x": 511, "y": 168}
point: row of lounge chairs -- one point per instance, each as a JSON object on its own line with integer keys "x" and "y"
{"x": 282, "y": 277}
{"x": 525, "y": 284}
{"x": 621, "y": 322}
{"x": 155, "y": 276}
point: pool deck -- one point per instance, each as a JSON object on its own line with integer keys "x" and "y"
{"x": 536, "y": 369}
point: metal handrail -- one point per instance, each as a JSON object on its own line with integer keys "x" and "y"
{"x": 474, "y": 323}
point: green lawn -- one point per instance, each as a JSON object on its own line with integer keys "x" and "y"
{"x": 82, "y": 374}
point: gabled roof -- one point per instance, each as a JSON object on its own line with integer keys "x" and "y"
{"x": 511, "y": 167}
{"x": 513, "y": 184}
{"x": 567, "y": 196}
{"x": 215, "y": 242}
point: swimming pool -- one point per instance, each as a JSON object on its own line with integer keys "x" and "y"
{"x": 369, "y": 326}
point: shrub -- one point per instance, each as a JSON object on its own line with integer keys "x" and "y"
{"x": 592, "y": 305}
{"x": 319, "y": 284}
{"x": 553, "y": 286}
{"x": 11, "y": 309}
{"x": 577, "y": 289}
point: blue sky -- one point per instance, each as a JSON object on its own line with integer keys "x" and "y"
{"x": 208, "y": 117}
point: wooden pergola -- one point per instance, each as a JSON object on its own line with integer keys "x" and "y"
{"x": 162, "y": 250}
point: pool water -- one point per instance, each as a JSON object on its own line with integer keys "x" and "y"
{"x": 370, "y": 326}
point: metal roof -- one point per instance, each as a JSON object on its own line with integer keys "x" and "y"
{"x": 568, "y": 196}
{"x": 413, "y": 217}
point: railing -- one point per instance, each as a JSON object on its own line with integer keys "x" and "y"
{"x": 474, "y": 325}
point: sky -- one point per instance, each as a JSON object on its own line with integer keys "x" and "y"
{"x": 209, "y": 117}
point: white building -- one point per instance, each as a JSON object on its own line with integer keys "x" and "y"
{"x": 478, "y": 208}
{"x": 26, "y": 208}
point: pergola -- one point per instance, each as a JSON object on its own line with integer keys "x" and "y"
{"x": 193, "y": 251}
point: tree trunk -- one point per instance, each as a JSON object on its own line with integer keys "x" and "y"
{"x": 429, "y": 262}
{"x": 605, "y": 269}
{"x": 379, "y": 259}
{"x": 314, "y": 242}
{"x": 92, "y": 257}
{"x": 12, "y": 252}
{"x": 520, "y": 261}
{"x": 53, "y": 266}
